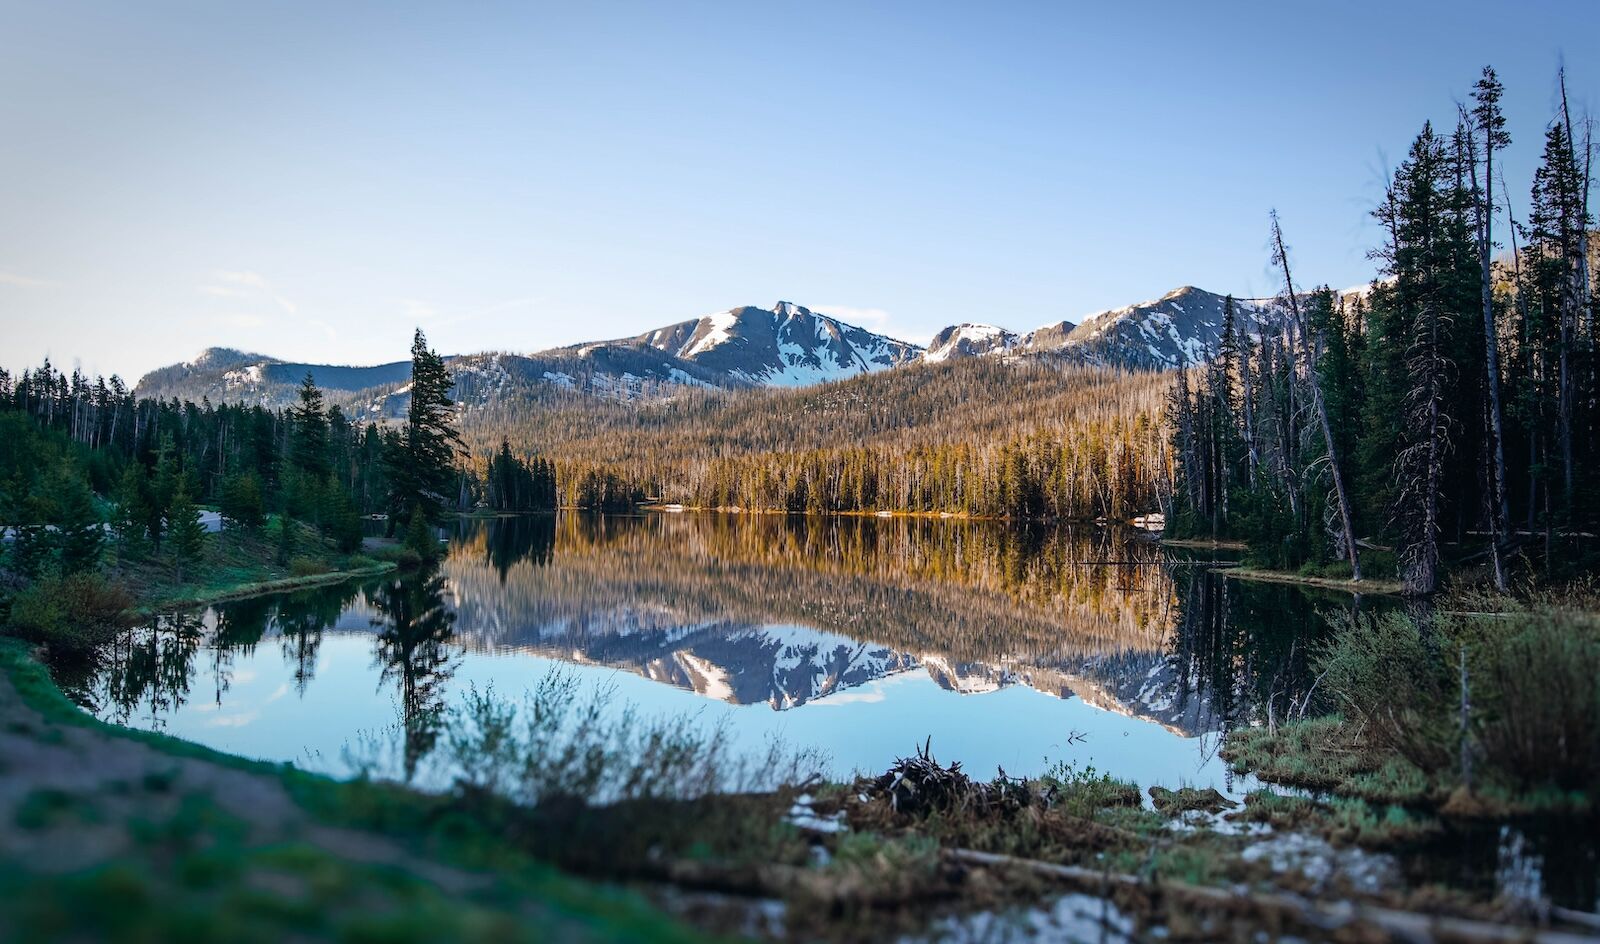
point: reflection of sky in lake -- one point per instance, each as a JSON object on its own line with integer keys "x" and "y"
{"x": 860, "y": 639}
{"x": 1003, "y": 665}
{"x": 864, "y": 728}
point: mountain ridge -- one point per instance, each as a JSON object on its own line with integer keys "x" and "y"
{"x": 786, "y": 345}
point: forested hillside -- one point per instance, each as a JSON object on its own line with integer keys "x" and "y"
{"x": 1030, "y": 437}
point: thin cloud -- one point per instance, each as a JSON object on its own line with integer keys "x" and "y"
{"x": 873, "y": 319}
{"x": 417, "y": 310}
{"x": 246, "y": 284}
{"x": 248, "y": 278}
{"x": 16, "y": 280}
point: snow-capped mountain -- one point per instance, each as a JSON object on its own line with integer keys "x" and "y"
{"x": 1180, "y": 328}
{"x": 618, "y": 371}
{"x": 970, "y": 340}
{"x": 785, "y": 666}
{"x": 226, "y": 375}
{"x": 787, "y": 345}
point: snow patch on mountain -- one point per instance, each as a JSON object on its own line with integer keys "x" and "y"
{"x": 714, "y": 329}
{"x": 970, "y": 340}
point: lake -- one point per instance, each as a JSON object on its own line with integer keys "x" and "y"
{"x": 1011, "y": 647}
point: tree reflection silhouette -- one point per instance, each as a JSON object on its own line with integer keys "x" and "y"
{"x": 415, "y": 632}
{"x": 149, "y": 670}
{"x": 1239, "y": 644}
{"x": 525, "y": 537}
{"x": 301, "y": 618}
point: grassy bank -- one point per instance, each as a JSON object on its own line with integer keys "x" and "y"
{"x": 238, "y": 563}
{"x": 217, "y": 591}
{"x": 1484, "y": 707}
{"x": 166, "y": 840}
{"x": 163, "y": 839}
{"x": 71, "y": 613}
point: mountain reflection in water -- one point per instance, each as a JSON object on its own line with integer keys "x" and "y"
{"x": 857, "y": 636}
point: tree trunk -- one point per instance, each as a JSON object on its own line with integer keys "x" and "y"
{"x": 1499, "y": 507}
{"x": 1336, "y": 469}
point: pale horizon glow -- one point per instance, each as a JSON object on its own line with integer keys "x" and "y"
{"x": 311, "y": 181}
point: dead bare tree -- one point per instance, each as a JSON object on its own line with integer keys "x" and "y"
{"x": 1487, "y": 119}
{"x": 1314, "y": 384}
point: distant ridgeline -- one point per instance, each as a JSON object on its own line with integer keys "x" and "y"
{"x": 787, "y": 409}
{"x": 1446, "y": 417}
{"x": 785, "y": 346}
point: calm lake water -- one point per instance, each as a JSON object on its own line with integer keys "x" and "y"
{"x": 1013, "y": 647}
{"x": 859, "y": 637}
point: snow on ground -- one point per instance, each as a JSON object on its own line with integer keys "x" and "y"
{"x": 1072, "y": 917}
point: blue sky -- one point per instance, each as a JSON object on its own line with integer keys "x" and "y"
{"x": 310, "y": 181}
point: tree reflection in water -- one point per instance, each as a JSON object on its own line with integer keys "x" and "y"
{"x": 509, "y": 541}
{"x": 414, "y": 649}
{"x": 147, "y": 671}
{"x": 1243, "y": 646}
{"x": 301, "y": 618}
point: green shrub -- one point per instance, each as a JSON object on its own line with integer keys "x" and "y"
{"x": 71, "y": 614}
{"x": 1536, "y": 683}
{"x": 561, "y": 744}
{"x": 420, "y": 537}
{"x": 1383, "y": 674}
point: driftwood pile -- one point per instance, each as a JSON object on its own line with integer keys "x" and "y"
{"x": 919, "y": 785}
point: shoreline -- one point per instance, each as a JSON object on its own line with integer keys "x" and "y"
{"x": 1221, "y": 544}
{"x": 671, "y": 508}
{"x": 243, "y": 591}
{"x": 1369, "y": 586}
{"x": 453, "y": 858}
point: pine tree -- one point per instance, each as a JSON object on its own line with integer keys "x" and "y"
{"x": 308, "y": 455}
{"x": 308, "y": 425}
{"x": 422, "y": 469}
{"x": 340, "y": 520}
{"x": 32, "y": 546}
{"x": 185, "y": 534}
{"x": 1426, "y": 355}
{"x": 80, "y": 535}
{"x": 1488, "y": 123}
{"x": 286, "y": 540}
{"x": 420, "y": 538}
{"x": 1558, "y": 223}
{"x": 129, "y": 523}
{"x": 242, "y": 505}
{"x": 162, "y": 489}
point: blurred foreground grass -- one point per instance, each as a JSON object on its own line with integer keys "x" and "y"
{"x": 109, "y": 834}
